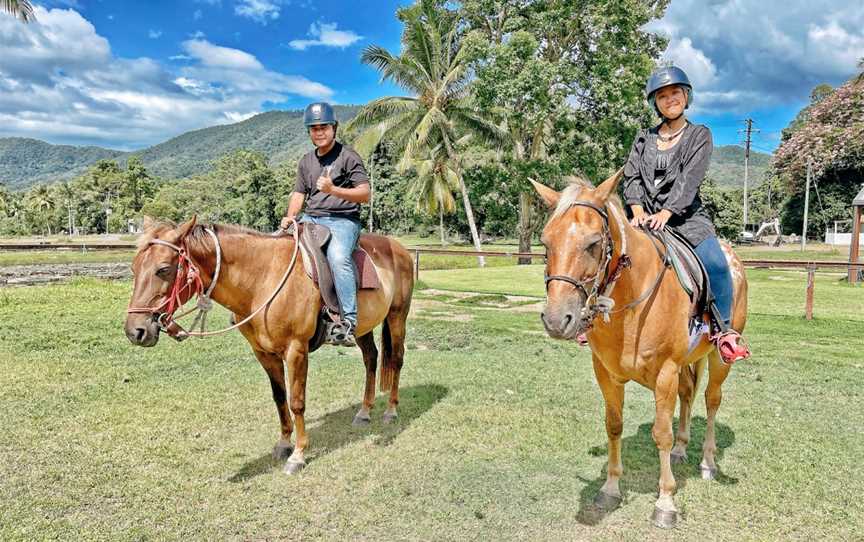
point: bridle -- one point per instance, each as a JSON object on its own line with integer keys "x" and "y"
{"x": 187, "y": 284}
{"x": 598, "y": 300}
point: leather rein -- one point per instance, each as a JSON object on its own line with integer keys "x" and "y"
{"x": 598, "y": 300}
{"x": 187, "y": 284}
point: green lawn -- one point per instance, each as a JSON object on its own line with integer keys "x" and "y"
{"x": 501, "y": 433}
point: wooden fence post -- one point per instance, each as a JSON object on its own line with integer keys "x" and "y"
{"x": 416, "y": 264}
{"x": 811, "y": 279}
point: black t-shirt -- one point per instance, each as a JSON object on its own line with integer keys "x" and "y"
{"x": 347, "y": 171}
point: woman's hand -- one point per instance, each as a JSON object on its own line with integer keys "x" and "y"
{"x": 658, "y": 221}
{"x": 639, "y": 216}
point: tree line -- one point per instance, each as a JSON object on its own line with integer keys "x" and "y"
{"x": 495, "y": 92}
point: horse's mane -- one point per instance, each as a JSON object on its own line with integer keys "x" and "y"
{"x": 573, "y": 193}
{"x": 197, "y": 234}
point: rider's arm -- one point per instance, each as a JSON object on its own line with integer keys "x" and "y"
{"x": 295, "y": 205}
{"x": 357, "y": 194}
{"x": 686, "y": 186}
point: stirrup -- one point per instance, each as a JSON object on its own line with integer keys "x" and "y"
{"x": 730, "y": 349}
{"x": 341, "y": 334}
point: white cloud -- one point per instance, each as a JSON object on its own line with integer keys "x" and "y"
{"x": 259, "y": 11}
{"x": 220, "y": 57}
{"x": 154, "y": 34}
{"x": 60, "y": 81}
{"x": 327, "y": 35}
{"x": 197, "y": 15}
{"x": 745, "y": 55}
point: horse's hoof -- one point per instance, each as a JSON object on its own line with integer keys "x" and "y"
{"x": 708, "y": 473}
{"x": 678, "y": 459}
{"x": 361, "y": 421}
{"x": 665, "y": 519}
{"x": 390, "y": 418}
{"x": 293, "y": 467}
{"x": 281, "y": 451}
{"x": 607, "y": 502}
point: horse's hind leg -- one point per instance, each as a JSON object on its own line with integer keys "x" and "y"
{"x": 609, "y": 496}
{"x": 393, "y": 352}
{"x": 688, "y": 383}
{"x": 370, "y": 360}
{"x": 275, "y": 369}
{"x": 717, "y": 373}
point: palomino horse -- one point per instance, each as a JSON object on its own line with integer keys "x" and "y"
{"x": 253, "y": 265}
{"x": 593, "y": 254}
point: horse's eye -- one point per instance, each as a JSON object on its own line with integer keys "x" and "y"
{"x": 163, "y": 271}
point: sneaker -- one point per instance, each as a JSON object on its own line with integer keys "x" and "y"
{"x": 342, "y": 334}
{"x": 730, "y": 346}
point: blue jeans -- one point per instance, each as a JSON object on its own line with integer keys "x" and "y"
{"x": 344, "y": 234}
{"x": 715, "y": 263}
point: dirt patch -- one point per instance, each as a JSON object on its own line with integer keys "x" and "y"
{"x": 26, "y": 275}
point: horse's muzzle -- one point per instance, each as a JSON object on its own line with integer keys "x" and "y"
{"x": 563, "y": 322}
{"x": 142, "y": 330}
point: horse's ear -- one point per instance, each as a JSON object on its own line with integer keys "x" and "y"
{"x": 549, "y": 196}
{"x": 149, "y": 222}
{"x": 609, "y": 186}
{"x": 184, "y": 228}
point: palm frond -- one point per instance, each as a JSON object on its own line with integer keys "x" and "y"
{"x": 378, "y": 110}
{"x": 22, "y": 9}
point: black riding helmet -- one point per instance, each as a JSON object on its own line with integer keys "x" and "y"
{"x": 319, "y": 113}
{"x": 667, "y": 77}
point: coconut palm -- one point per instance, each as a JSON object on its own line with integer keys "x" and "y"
{"x": 436, "y": 183}
{"x": 433, "y": 68}
{"x": 22, "y": 9}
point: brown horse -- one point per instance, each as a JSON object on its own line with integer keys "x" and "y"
{"x": 643, "y": 335}
{"x": 252, "y": 267}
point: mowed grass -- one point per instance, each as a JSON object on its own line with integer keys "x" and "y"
{"x": 500, "y": 437}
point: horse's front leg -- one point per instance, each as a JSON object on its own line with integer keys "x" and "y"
{"x": 297, "y": 361}
{"x": 609, "y": 496}
{"x": 665, "y": 395}
{"x": 275, "y": 369}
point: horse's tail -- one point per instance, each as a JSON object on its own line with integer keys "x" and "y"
{"x": 388, "y": 371}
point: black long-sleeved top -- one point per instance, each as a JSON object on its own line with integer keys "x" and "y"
{"x": 678, "y": 191}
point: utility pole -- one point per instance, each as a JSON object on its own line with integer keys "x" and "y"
{"x": 748, "y": 132}
{"x": 806, "y": 209}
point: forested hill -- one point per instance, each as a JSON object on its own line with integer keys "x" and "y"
{"x": 24, "y": 162}
{"x": 727, "y": 166}
{"x": 279, "y": 135}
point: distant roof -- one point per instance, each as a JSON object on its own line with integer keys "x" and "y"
{"x": 859, "y": 199}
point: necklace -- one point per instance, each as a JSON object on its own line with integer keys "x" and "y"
{"x": 666, "y": 139}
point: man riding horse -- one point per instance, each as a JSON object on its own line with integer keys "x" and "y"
{"x": 333, "y": 182}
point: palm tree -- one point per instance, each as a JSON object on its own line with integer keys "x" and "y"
{"x": 436, "y": 183}
{"x": 22, "y": 9}
{"x": 433, "y": 68}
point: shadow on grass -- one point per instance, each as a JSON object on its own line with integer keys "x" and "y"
{"x": 334, "y": 430}
{"x": 642, "y": 466}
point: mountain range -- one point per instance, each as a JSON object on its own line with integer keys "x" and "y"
{"x": 279, "y": 135}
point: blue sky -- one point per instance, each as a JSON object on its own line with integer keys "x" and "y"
{"x": 126, "y": 74}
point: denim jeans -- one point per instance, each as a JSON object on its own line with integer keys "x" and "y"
{"x": 344, "y": 234}
{"x": 715, "y": 263}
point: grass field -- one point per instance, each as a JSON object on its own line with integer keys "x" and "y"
{"x": 500, "y": 435}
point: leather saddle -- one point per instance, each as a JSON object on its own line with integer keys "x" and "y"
{"x": 691, "y": 274}
{"x": 313, "y": 247}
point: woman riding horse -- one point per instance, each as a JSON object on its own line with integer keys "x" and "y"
{"x": 666, "y": 167}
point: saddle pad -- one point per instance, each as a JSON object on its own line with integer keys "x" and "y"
{"x": 686, "y": 264}
{"x": 367, "y": 274}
